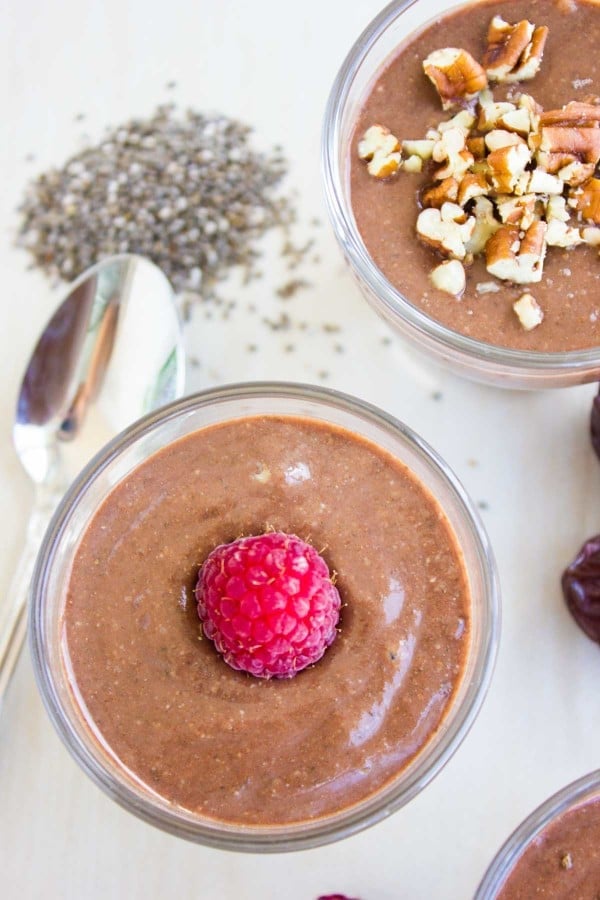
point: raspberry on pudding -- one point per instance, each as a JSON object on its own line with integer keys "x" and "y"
{"x": 268, "y": 603}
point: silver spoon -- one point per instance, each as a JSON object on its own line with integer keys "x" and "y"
{"x": 111, "y": 352}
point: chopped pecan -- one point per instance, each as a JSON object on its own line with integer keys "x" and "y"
{"x": 491, "y": 111}
{"x": 498, "y": 138}
{"x": 451, "y": 150}
{"x": 486, "y": 225}
{"x": 449, "y": 277}
{"x": 423, "y": 148}
{"x": 476, "y": 146}
{"x": 528, "y": 311}
{"x": 556, "y": 208}
{"x": 562, "y": 145}
{"x": 559, "y": 234}
{"x": 444, "y": 192}
{"x": 413, "y": 164}
{"x": 507, "y": 165}
{"x": 591, "y": 236}
{"x": 437, "y": 229}
{"x": 521, "y": 211}
{"x": 511, "y": 258}
{"x": 463, "y": 120}
{"x": 534, "y": 110}
{"x": 456, "y": 76}
{"x": 381, "y": 150}
{"x": 576, "y": 173}
{"x": 541, "y": 182}
{"x": 503, "y": 114}
{"x": 518, "y": 121}
{"x": 574, "y": 113}
{"x": 514, "y": 52}
{"x": 587, "y": 201}
{"x": 472, "y": 185}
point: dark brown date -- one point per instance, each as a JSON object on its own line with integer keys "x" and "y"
{"x": 595, "y": 424}
{"x": 581, "y": 587}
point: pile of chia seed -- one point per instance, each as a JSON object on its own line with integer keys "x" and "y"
{"x": 186, "y": 190}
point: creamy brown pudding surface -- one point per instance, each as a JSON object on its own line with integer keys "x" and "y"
{"x": 405, "y": 101}
{"x": 220, "y": 742}
{"x": 563, "y": 863}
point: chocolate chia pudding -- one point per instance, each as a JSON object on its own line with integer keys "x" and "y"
{"x": 223, "y": 744}
{"x": 563, "y": 862}
{"x": 403, "y": 99}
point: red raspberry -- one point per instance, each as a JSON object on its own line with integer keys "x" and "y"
{"x": 268, "y": 604}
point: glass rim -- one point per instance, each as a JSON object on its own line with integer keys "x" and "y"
{"x": 396, "y": 305}
{"x": 569, "y": 797}
{"x": 297, "y": 836}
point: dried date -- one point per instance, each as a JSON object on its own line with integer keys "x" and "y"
{"x": 595, "y": 424}
{"x": 581, "y": 587}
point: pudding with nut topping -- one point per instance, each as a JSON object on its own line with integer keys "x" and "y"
{"x": 473, "y": 173}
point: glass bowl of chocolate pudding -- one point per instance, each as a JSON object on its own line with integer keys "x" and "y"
{"x": 146, "y": 705}
{"x": 381, "y": 82}
{"x": 555, "y": 852}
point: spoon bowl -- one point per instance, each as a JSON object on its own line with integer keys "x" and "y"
{"x": 111, "y": 353}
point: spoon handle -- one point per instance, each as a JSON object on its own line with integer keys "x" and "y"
{"x": 13, "y": 613}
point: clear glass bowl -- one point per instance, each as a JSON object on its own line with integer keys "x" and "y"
{"x": 134, "y": 446}
{"x": 469, "y": 357}
{"x": 575, "y": 794}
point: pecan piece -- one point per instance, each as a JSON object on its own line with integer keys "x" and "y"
{"x": 528, "y": 312}
{"x": 474, "y": 184}
{"x": 456, "y": 76}
{"x": 449, "y": 277}
{"x": 514, "y": 52}
{"x": 498, "y": 138}
{"x": 519, "y": 211}
{"x": 587, "y": 201}
{"x": 507, "y": 165}
{"x": 486, "y": 225}
{"x": 444, "y": 192}
{"x": 381, "y": 150}
{"x": 511, "y": 258}
{"x": 561, "y": 145}
{"x": 441, "y": 230}
{"x": 574, "y": 113}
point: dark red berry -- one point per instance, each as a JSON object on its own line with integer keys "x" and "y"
{"x": 581, "y": 587}
{"x": 268, "y": 604}
{"x": 336, "y": 897}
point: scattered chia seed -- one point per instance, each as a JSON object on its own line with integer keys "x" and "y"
{"x": 186, "y": 190}
{"x": 437, "y": 396}
{"x": 291, "y": 288}
{"x": 282, "y": 323}
{"x": 483, "y": 505}
{"x": 296, "y": 254}
{"x": 386, "y": 341}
